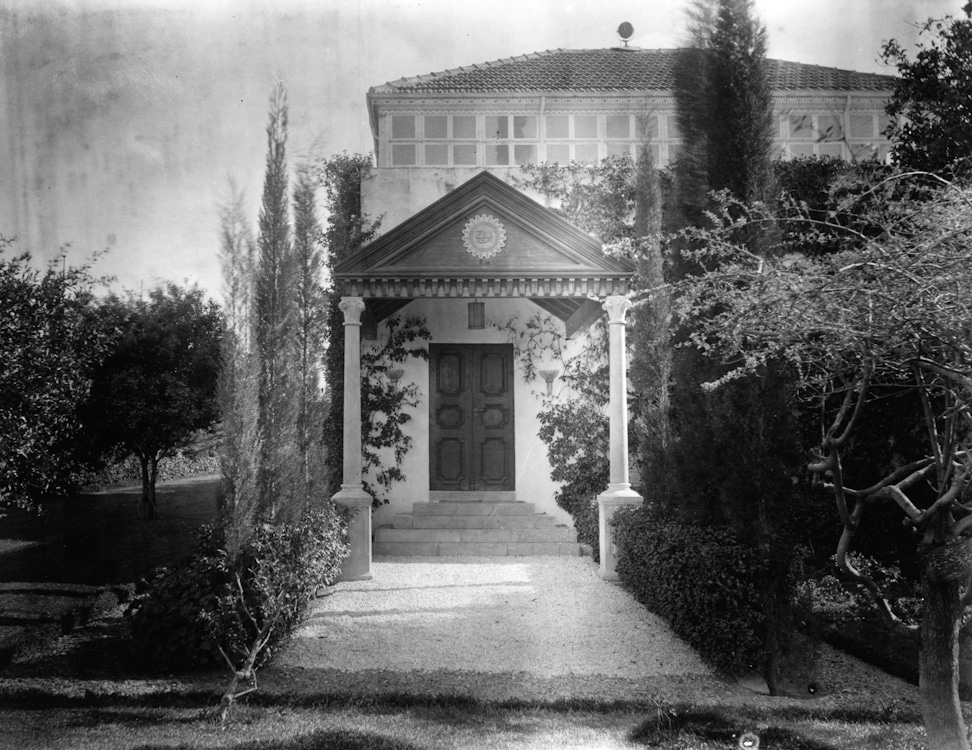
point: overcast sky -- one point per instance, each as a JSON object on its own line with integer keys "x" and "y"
{"x": 121, "y": 122}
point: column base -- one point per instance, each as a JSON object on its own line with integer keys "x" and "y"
{"x": 616, "y": 496}
{"x": 357, "y": 565}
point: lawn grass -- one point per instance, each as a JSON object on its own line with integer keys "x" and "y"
{"x": 433, "y": 727}
{"x": 99, "y": 538}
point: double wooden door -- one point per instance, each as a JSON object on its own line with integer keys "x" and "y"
{"x": 471, "y": 417}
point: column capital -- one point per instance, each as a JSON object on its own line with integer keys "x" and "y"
{"x": 616, "y": 307}
{"x": 352, "y": 307}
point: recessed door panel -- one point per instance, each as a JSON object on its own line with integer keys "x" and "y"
{"x": 493, "y": 466}
{"x": 471, "y": 444}
{"x": 493, "y": 373}
{"x": 450, "y": 459}
{"x": 450, "y": 374}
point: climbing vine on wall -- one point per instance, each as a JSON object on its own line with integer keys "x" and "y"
{"x": 531, "y": 340}
{"x": 573, "y": 418}
{"x": 385, "y": 404}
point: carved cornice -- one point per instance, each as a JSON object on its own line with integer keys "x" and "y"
{"x": 486, "y": 286}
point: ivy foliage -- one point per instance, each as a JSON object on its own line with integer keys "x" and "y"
{"x": 617, "y": 200}
{"x": 345, "y": 232}
{"x": 385, "y": 405}
{"x": 598, "y": 197}
{"x": 573, "y": 420}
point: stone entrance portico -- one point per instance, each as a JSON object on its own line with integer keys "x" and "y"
{"x": 484, "y": 243}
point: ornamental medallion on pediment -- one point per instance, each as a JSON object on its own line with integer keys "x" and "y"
{"x": 484, "y": 236}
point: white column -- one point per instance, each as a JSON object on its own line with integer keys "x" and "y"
{"x": 357, "y": 566}
{"x": 618, "y": 492}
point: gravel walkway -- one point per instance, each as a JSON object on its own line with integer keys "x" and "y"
{"x": 546, "y": 616}
{"x": 517, "y": 631}
{"x": 533, "y": 629}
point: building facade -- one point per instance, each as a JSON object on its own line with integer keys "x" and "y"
{"x": 475, "y": 258}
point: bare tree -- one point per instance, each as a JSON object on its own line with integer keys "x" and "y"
{"x": 893, "y": 312}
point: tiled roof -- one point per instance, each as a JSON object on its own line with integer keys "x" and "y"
{"x": 617, "y": 69}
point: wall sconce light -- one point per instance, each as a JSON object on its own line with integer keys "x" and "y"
{"x": 477, "y": 314}
{"x": 549, "y": 376}
{"x": 394, "y": 376}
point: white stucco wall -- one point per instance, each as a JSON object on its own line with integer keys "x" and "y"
{"x": 447, "y": 321}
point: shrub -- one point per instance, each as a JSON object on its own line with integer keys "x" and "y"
{"x": 181, "y": 618}
{"x": 700, "y": 579}
{"x": 168, "y": 616}
{"x": 576, "y": 433}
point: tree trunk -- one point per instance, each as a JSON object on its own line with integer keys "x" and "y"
{"x": 146, "y": 504}
{"x": 965, "y": 661}
{"x": 938, "y": 654}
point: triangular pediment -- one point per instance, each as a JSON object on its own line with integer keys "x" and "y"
{"x": 483, "y": 229}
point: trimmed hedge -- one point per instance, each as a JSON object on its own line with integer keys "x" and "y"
{"x": 700, "y": 579}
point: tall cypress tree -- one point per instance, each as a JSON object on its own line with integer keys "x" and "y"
{"x": 308, "y": 331}
{"x": 274, "y": 324}
{"x": 737, "y": 446}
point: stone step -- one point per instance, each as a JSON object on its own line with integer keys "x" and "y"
{"x": 554, "y": 534}
{"x": 473, "y": 509}
{"x": 536, "y": 521}
{"x": 476, "y": 549}
{"x": 474, "y": 496}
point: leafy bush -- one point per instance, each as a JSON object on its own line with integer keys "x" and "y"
{"x": 168, "y": 614}
{"x": 700, "y": 579}
{"x": 181, "y": 618}
{"x": 839, "y": 602}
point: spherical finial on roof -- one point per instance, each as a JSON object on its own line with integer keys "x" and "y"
{"x": 625, "y": 31}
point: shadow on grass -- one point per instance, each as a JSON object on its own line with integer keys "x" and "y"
{"x": 716, "y": 731}
{"x": 324, "y": 739}
{"x": 99, "y": 539}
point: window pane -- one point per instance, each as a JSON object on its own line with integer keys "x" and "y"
{"x": 674, "y": 151}
{"x": 558, "y": 152}
{"x": 403, "y": 155}
{"x": 435, "y": 126}
{"x": 829, "y": 128}
{"x": 464, "y": 126}
{"x": 861, "y": 126}
{"x": 436, "y": 154}
{"x": 799, "y": 149}
{"x": 617, "y": 149}
{"x": 497, "y": 126}
{"x": 801, "y": 126}
{"x": 403, "y": 126}
{"x": 524, "y": 126}
{"x": 524, "y": 154}
{"x": 831, "y": 149}
{"x": 585, "y": 126}
{"x": 618, "y": 126}
{"x": 674, "y": 134}
{"x": 464, "y": 153}
{"x": 497, "y": 156}
{"x": 647, "y": 126}
{"x": 585, "y": 152}
{"x": 557, "y": 126}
